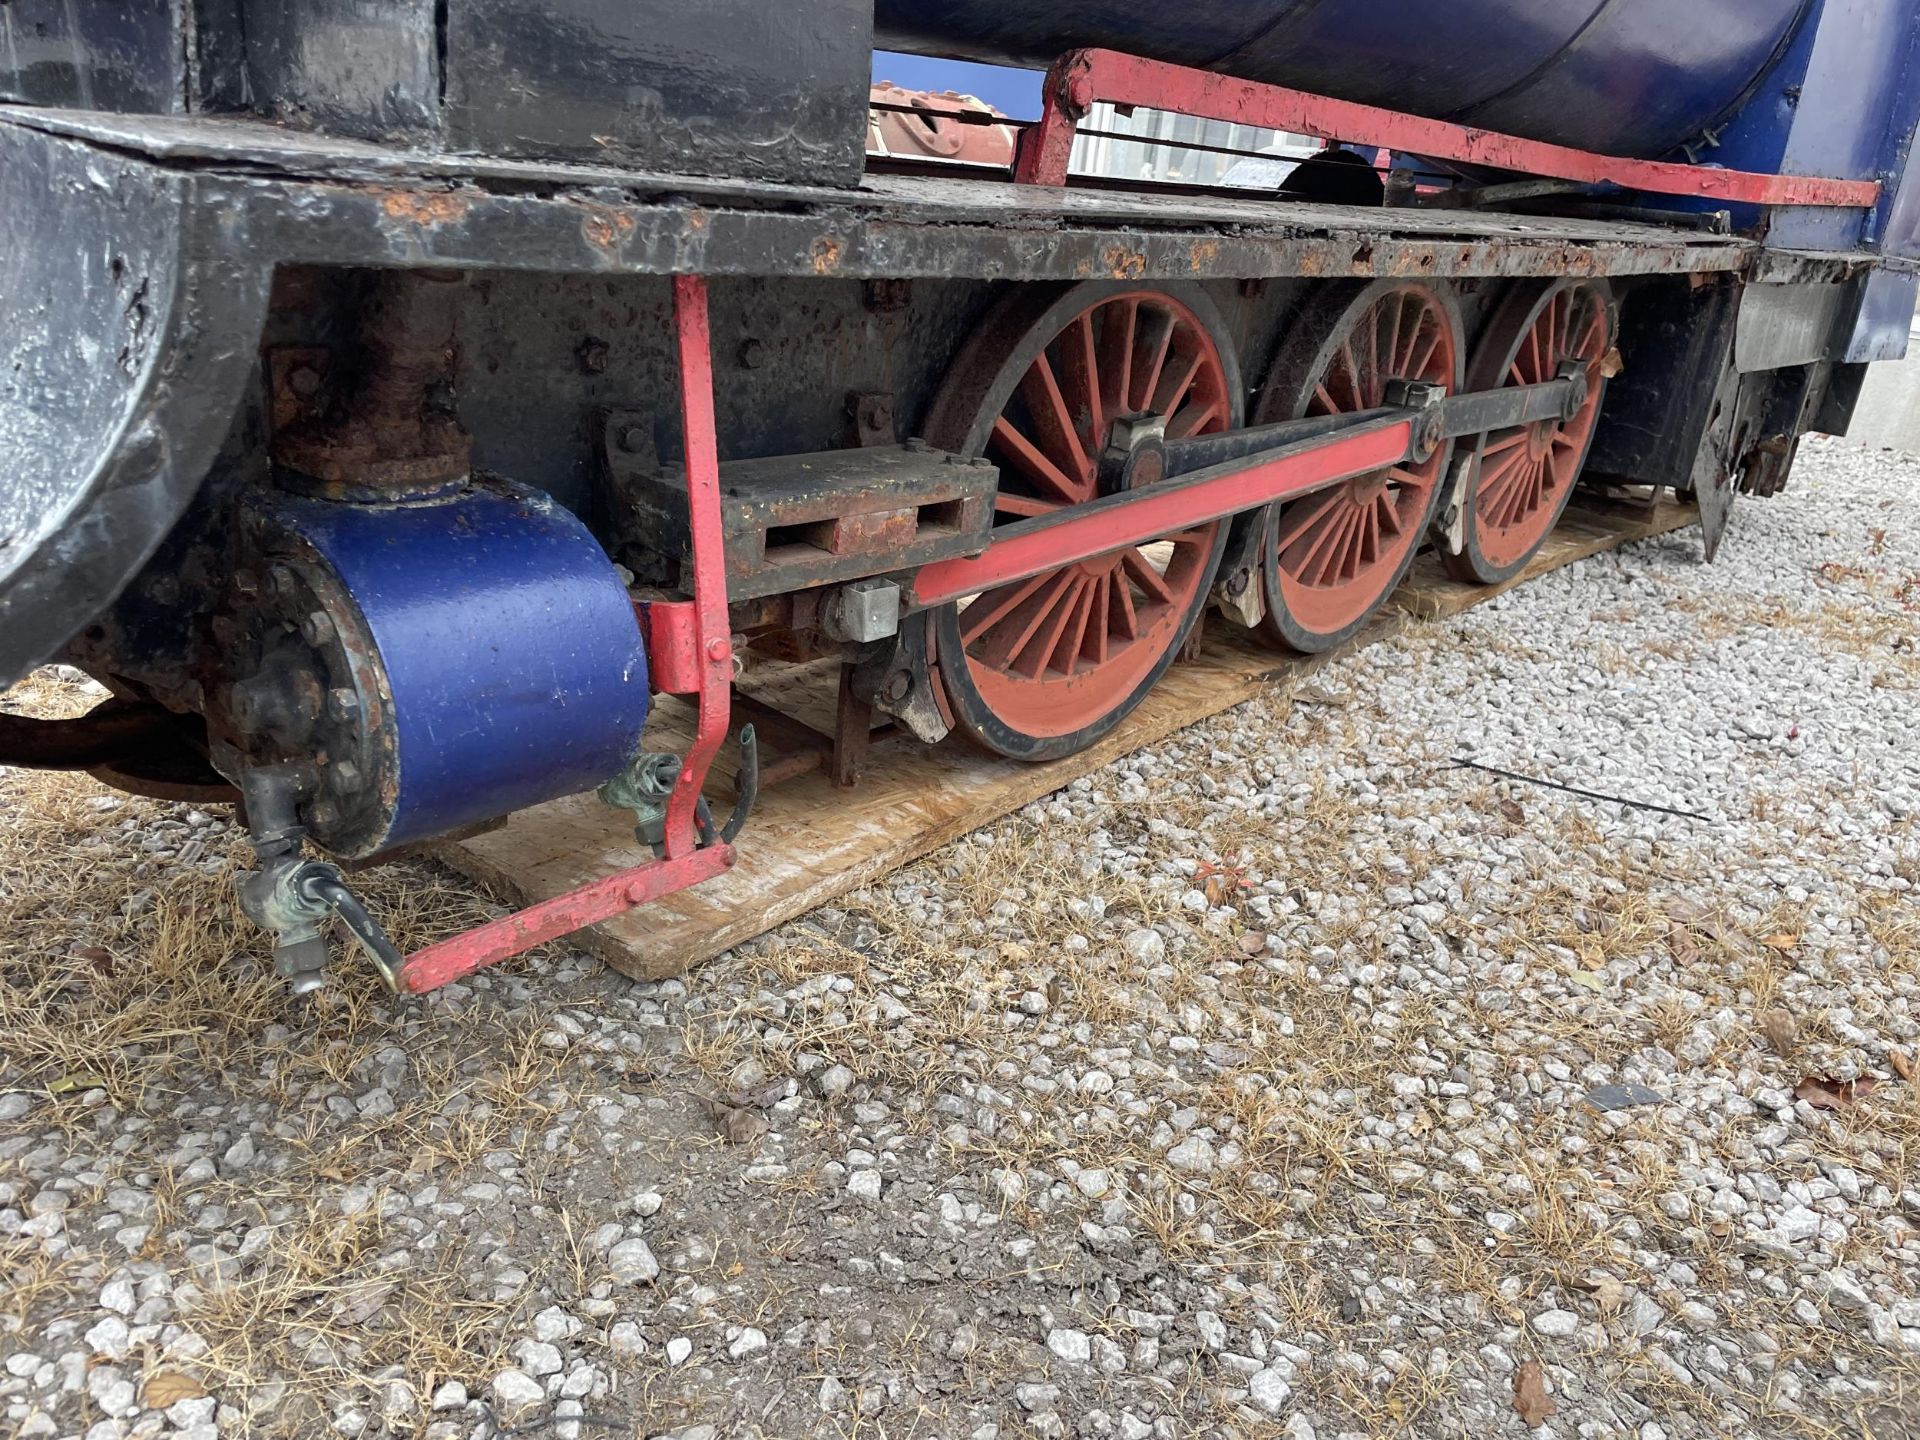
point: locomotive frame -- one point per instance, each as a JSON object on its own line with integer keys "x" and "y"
{"x": 334, "y": 249}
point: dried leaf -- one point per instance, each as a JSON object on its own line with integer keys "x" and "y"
{"x": 169, "y": 1387}
{"x": 742, "y": 1127}
{"x": 1515, "y": 812}
{"x": 1824, "y": 1093}
{"x": 80, "y": 1081}
{"x": 1321, "y": 695}
{"x": 93, "y": 955}
{"x": 1608, "y": 1293}
{"x": 1217, "y": 889}
{"x": 1779, "y": 1027}
{"x": 1902, "y": 1066}
{"x": 1253, "y": 943}
{"x": 1684, "y": 910}
{"x": 1681, "y": 944}
{"x": 1530, "y": 1398}
{"x": 1591, "y": 981}
{"x": 1785, "y": 940}
{"x": 760, "y": 1097}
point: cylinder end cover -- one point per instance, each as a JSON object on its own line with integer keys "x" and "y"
{"x": 439, "y": 664}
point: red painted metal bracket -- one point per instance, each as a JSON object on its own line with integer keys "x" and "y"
{"x": 1081, "y": 78}
{"x": 695, "y": 656}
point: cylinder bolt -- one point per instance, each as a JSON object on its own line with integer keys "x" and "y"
{"x": 317, "y": 628}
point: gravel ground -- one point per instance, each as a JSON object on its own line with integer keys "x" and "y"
{"x": 1287, "y": 1079}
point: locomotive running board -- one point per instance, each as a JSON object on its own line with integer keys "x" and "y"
{"x": 811, "y": 841}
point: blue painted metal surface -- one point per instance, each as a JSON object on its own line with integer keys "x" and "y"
{"x": 513, "y": 657}
{"x": 1628, "y": 77}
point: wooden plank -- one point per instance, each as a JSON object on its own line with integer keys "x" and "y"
{"x": 809, "y": 841}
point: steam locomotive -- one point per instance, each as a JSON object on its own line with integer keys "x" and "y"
{"x": 397, "y": 397}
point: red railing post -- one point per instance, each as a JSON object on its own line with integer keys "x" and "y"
{"x": 712, "y": 632}
{"x": 685, "y": 863}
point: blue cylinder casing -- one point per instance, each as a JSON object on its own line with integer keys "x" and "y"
{"x": 511, "y": 661}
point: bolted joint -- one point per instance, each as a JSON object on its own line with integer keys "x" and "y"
{"x": 1579, "y": 386}
{"x": 1136, "y": 454}
{"x": 1430, "y": 427}
{"x": 1076, "y": 89}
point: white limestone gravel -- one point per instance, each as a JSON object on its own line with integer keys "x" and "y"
{"x": 1240, "y": 1088}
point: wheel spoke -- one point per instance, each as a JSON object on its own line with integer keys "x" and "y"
{"x": 1058, "y": 435}
{"x": 1311, "y": 569}
{"x": 1411, "y": 479}
{"x": 1356, "y": 386}
{"x": 1417, "y": 369}
{"x": 1094, "y": 646}
{"x": 1303, "y": 515}
{"x": 1126, "y": 618}
{"x": 1118, "y": 322}
{"x": 1388, "y": 503}
{"x": 1405, "y": 365}
{"x": 991, "y": 608}
{"x": 1023, "y": 505}
{"x": 1066, "y": 654}
{"x": 1146, "y": 577}
{"x": 1034, "y": 656}
{"x": 1030, "y": 462}
{"x": 1195, "y": 418}
{"x": 1153, "y": 350}
{"x": 1512, "y": 438}
{"x": 1003, "y": 642}
{"x": 1173, "y": 388}
{"x": 1335, "y": 564}
{"x": 1373, "y": 344}
{"x": 1080, "y": 368}
{"x": 1491, "y": 479}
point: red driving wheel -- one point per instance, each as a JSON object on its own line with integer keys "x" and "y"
{"x": 1330, "y": 559}
{"x": 1069, "y": 392}
{"x": 1525, "y": 474}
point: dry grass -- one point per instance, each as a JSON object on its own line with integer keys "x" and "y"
{"x": 125, "y": 989}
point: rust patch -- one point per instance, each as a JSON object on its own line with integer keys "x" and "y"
{"x": 1202, "y": 254}
{"x": 427, "y": 208}
{"x": 606, "y": 229}
{"x": 824, "y": 255}
{"x": 1124, "y": 264}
